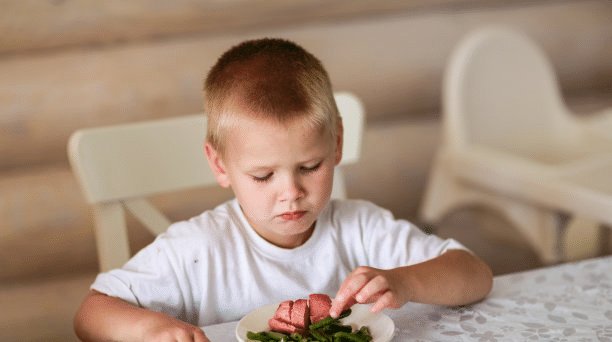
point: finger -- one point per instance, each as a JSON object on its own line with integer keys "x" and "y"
{"x": 182, "y": 335}
{"x": 345, "y": 295}
{"x": 361, "y": 270}
{"x": 199, "y": 336}
{"x": 386, "y": 300}
{"x": 371, "y": 291}
{"x": 340, "y": 305}
{"x": 354, "y": 282}
{"x": 337, "y": 311}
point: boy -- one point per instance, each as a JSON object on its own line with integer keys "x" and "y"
{"x": 274, "y": 136}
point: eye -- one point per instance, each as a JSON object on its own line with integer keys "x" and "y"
{"x": 262, "y": 179}
{"x": 311, "y": 168}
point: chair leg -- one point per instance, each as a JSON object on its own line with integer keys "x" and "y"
{"x": 544, "y": 229}
{"x": 442, "y": 194}
{"x": 111, "y": 235}
{"x": 562, "y": 219}
{"x": 604, "y": 239}
{"x": 583, "y": 238}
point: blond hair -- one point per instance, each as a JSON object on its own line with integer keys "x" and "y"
{"x": 270, "y": 79}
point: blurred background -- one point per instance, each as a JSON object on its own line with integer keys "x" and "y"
{"x": 70, "y": 64}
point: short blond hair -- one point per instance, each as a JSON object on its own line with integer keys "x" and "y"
{"x": 270, "y": 79}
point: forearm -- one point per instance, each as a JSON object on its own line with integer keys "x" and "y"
{"x": 455, "y": 278}
{"x": 105, "y": 318}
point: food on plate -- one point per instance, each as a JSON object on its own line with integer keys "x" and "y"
{"x": 319, "y": 306}
{"x": 282, "y": 321}
{"x": 309, "y": 320}
{"x": 300, "y": 314}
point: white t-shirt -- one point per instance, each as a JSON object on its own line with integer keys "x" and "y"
{"x": 215, "y": 268}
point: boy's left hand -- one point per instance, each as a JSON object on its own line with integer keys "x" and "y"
{"x": 369, "y": 285}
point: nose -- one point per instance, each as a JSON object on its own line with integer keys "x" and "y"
{"x": 291, "y": 189}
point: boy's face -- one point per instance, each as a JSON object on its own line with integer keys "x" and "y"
{"x": 281, "y": 175}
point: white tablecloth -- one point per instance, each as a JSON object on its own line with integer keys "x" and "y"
{"x": 569, "y": 302}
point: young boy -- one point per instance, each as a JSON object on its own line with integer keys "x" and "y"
{"x": 274, "y": 136}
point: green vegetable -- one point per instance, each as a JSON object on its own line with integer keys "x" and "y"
{"x": 276, "y": 336}
{"x": 297, "y": 337}
{"x": 323, "y": 323}
{"x": 260, "y": 336}
{"x": 267, "y": 336}
{"x": 350, "y": 337}
{"x": 334, "y": 328}
{"x": 326, "y": 330}
{"x": 365, "y": 331}
{"x": 345, "y": 313}
{"x": 319, "y": 336}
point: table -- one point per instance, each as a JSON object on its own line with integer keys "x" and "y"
{"x": 569, "y": 302}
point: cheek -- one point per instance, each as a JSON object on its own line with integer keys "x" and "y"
{"x": 324, "y": 180}
{"x": 253, "y": 194}
{"x": 244, "y": 190}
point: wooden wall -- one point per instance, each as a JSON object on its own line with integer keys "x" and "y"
{"x": 67, "y": 64}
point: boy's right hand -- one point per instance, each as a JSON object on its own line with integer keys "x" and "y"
{"x": 160, "y": 327}
{"x": 365, "y": 284}
{"x": 105, "y": 318}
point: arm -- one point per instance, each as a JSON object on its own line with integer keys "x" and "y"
{"x": 105, "y": 318}
{"x": 456, "y": 277}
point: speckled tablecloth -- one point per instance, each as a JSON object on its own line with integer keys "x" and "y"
{"x": 569, "y": 302}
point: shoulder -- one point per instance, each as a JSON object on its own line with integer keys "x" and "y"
{"x": 209, "y": 232}
{"x": 211, "y": 224}
{"x": 361, "y": 217}
{"x": 367, "y": 217}
{"x": 359, "y": 210}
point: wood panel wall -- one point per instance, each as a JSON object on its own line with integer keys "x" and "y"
{"x": 30, "y": 25}
{"x": 65, "y": 65}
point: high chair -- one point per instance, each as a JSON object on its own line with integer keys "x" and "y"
{"x": 510, "y": 143}
{"x": 119, "y": 166}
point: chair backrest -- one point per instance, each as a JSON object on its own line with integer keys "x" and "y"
{"x": 500, "y": 90}
{"x": 119, "y": 166}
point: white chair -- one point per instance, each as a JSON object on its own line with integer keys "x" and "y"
{"x": 119, "y": 166}
{"x": 511, "y": 144}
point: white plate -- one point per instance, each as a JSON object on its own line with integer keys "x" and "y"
{"x": 380, "y": 325}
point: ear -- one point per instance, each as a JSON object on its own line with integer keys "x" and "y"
{"x": 216, "y": 165}
{"x": 339, "y": 141}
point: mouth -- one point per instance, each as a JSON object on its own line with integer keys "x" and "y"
{"x": 293, "y": 215}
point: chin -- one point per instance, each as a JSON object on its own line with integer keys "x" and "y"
{"x": 295, "y": 227}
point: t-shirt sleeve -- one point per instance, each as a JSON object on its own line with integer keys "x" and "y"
{"x": 391, "y": 242}
{"x": 148, "y": 280}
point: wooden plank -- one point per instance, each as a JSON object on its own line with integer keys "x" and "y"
{"x": 46, "y": 227}
{"x": 42, "y": 309}
{"x": 32, "y": 25}
{"x": 394, "y": 65}
{"x": 39, "y": 198}
{"x": 44, "y": 224}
